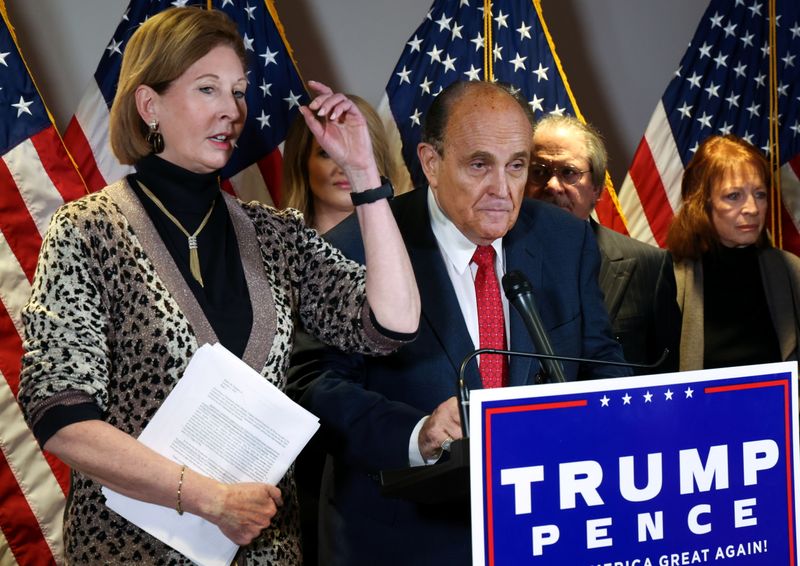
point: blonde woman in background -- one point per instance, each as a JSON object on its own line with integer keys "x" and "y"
{"x": 315, "y": 185}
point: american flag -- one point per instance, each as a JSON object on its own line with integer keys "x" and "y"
{"x": 503, "y": 40}
{"x": 36, "y": 176}
{"x": 275, "y": 91}
{"x": 723, "y": 85}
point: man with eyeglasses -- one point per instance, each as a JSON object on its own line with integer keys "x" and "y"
{"x": 568, "y": 169}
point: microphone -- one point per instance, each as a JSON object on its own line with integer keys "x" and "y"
{"x": 520, "y": 294}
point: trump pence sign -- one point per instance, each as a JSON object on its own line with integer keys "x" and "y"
{"x": 668, "y": 470}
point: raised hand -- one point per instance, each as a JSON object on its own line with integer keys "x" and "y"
{"x": 341, "y": 131}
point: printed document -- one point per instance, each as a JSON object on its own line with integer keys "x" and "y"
{"x": 226, "y": 421}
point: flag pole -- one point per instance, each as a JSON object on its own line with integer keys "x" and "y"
{"x": 774, "y": 132}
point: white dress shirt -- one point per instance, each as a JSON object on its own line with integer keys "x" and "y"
{"x": 457, "y": 251}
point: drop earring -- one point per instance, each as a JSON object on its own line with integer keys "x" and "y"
{"x": 154, "y": 137}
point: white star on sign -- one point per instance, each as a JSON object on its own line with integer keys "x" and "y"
{"x": 648, "y": 397}
{"x": 689, "y": 391}
{"x": 668, "y": 395}
{"x": 22, "y": 106}
{"x": 604, "y": 401}
{"x": 626, "y": 399}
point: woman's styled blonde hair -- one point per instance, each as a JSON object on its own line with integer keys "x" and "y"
{"x": 159, "y": 52}
{"x": 297, "y": 150}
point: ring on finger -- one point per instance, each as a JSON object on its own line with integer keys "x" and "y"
{"x": 446, "y": 444}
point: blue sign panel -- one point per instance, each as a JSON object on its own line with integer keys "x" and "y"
{"x": 689, "y": 468}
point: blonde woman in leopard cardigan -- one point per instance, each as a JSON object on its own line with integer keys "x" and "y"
{"x": 133, "y": 279}
{"x": 739, "y": 295}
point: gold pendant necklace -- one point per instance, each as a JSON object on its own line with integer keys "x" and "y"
{"x": 194, "y": 258}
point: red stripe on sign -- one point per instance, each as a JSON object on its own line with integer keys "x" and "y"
{"x": 652, "y": 195}
{"x": 78, "y": 145}
{"x": 271, "y": 168}
{"x": 19, "y": 524}
{"x": 58, "y": 165}
{"x": 17, "y": 224}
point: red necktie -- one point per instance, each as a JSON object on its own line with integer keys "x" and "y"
{"x": 491, "y": 324}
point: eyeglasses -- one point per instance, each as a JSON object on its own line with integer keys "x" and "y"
{"x": 539, "y": 174}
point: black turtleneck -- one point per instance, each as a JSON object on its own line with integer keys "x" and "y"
{"x": 738, "y": 328}
{"x": 224, "y": 297}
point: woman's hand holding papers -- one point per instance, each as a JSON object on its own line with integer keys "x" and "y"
{"x": 240, "y": 510}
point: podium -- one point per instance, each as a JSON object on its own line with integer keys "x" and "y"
{"x": 444, "y": 481}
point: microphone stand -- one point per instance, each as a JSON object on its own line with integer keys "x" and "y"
{"x": 463, "y": 390}
{"x": 448, "y": 480}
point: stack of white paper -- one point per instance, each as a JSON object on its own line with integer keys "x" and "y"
{"x": 225, "y": 421}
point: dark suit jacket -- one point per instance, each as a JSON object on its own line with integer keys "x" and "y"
{"x": 638, "y": 283}
{"x": 368, "y": 407}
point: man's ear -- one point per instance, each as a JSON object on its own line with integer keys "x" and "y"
{"x": 146, "y": 99}
{"x": 430, "y": 160}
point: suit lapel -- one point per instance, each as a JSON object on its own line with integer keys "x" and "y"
{"x": 440, "y": 308}
{"x": 522, "y": 254}
{"x": 615, "y": 271}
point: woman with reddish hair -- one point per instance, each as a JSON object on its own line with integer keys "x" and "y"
{"x": 738, "y": 294}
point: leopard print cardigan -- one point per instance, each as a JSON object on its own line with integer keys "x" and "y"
{"x": 111, "y": 321}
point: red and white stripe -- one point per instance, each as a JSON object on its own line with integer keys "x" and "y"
{"x": 86, "y": 138}
{"x": 37, "y": 176}
{"x": 651, "y": 192}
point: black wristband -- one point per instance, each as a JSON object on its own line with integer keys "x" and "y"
{"x": 371, "y": 195}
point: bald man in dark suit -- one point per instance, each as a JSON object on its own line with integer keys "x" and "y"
{"x": 568, "y": 169}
